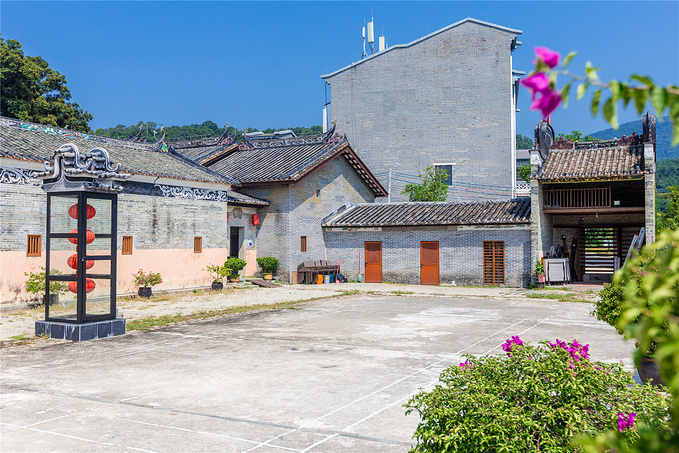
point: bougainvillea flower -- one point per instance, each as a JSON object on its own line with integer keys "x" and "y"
{"x": 537, "y": 83}
{"x": 626, "y": 421}
{"x": 547, "y": 102}
{"x": 547, "y": 56}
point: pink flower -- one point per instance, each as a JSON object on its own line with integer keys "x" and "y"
{"x": 625, "y": 422}
{"x": 548, "y": 101}
{"x": 547, "y": 56}
{"x": 537, "y": 83}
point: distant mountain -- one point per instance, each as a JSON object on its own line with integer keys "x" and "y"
{"x": 663, "y": 141}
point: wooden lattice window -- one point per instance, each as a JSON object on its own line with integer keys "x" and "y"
{"x": 493, "y": 262}
{"x": 303, "y": 244}
{"x": 127, "y": 245}
{"x": 198, "y": 244}
{"x": 34, "y": 245}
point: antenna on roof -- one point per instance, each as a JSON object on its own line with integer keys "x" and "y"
{"x": 381, "y": 42}
{"x": 371, "y": 36}
{"x": 364, "y": 54}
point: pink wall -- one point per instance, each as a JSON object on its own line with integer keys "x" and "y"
{"x": 179, "y": 268}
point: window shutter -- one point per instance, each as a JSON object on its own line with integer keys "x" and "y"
{"x": 127, "y": 245}
{"x": 34, "y": 245}
{"x": 493, "y": 262}
{"x": 198, "y": 244}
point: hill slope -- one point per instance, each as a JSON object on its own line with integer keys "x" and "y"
{"x": 663, "y": 141}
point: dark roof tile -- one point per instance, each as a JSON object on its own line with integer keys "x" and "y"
{"x": 516, "y": 211}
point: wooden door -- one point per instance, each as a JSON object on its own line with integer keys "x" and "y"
{"x": 373, "y": 262}
{"x": 429, "y": 263}
{"x": 493, "y": 262}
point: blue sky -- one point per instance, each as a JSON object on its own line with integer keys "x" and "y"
{"x": 258, "y": 64}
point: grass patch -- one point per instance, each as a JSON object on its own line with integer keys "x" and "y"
{"x": 568, "y": 297}
{"x": 22, "y": 337}
{"x": 401, "y": 293}
{"x": 166, "y": 320}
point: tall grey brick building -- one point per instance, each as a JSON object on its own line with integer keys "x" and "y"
{"x": 447, "y": 99}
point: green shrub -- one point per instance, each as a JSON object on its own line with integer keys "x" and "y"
{"x": 533, "y": 399}
{"x": 268, "y": 264}
{"x": 36, "y": 282}
{"x": 235, "y": 264}
{"x": 147, "y": 279}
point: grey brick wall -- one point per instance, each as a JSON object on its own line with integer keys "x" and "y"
{"x": 447, "y": 99}
{"x": 154, "y": 222}
{"x": 460, "y": 253}
{"x": 297, "y": 211}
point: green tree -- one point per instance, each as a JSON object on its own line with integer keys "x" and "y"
{"x": 669, "y": 220}
{"x": 524, "y": 172}
{"x": 32, "y": 91}
{"x": 432, "y": 188}
{"x": 576, "y": 136}
{"x": 523, "y": 142}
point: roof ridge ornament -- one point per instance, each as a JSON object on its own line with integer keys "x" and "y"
{"x": 69, "y": 169}
{"x": 325, "y": 137}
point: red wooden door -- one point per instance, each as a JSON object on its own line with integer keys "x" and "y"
{"x": 373, "y": 262}
{"x": 429, "y": 263}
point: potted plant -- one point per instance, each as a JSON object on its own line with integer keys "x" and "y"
{"x": 269, "y": 266}
{"x": 540, "y": 272}
{"x": 235, "y": 265}
{"x": 218, "y": 273}
{"x": 36, "y": 285}
{"x": 145, "y": 281}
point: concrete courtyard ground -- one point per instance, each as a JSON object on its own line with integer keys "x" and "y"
{"x": 331, "y": 375}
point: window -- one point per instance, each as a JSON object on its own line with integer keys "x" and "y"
{"x": 303, "y": 244}
{"x": 198, "y": 244}
{"x": 34, "y": 245}
{"x": 493, "y": 262}
{"x": 448, "y": 168}
{"x": 127, "y": 245}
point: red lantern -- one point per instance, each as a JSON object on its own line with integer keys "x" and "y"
{"x": 255, "y": 219}
{"x": 89, "y": 286}
{"x": 72, "y": 262}
{"x": 89, "y": 234}
{"x": 73, "y": 211}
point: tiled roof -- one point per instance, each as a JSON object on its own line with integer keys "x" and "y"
{"x": 288, "y": 160}
{"x": 241, "y": 198}
{"x": 602, "y": 162}
{"x": 201, "y": 150}
{"x": 35, "y": 142}
{"x": 516, "y": 211}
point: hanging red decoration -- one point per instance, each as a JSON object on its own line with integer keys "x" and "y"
{"x": 89, "y": 234}
{"x": 73, "y": 211}
{"x": 89, "y": 286}
{"x": 72, "y": 262}
{"x": 255, "y": 219}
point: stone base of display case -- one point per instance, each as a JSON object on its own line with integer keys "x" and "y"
{"x": 81, "y": 332}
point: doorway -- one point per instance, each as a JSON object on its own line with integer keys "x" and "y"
{"x": 429, "y": 263}
{"x": 235, "y": 241}
{"x": 373, "y": 262}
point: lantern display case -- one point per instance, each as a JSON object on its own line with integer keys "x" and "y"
{"x": 81, "y": 245}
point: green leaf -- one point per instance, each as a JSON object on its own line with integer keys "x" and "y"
{"x": 614, "y": 86}
{"x": 591, "y": 71}
{"x": 564, "y": 93}
{"x": 626, "y": 93}
{"x": 675, "y": 131}
{"x": 658, "y": 98}
{"x": 640, "y": 97}
{"x": 596, "y": 99}
{"x": 611, "y": 112}
{"x": 568, "y": 58}
{"x": 582, "y": 89}
{"x": 645, "y": 80}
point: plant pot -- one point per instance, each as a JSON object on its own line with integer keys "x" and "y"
{"x": 217, "y": 286}
{"x": 649, "y": 370}
{"x": 268, "y": 277}
{"x": 235, "y": 279}
{"x": 145, "y": 291}
{"x": 52, "y": 299}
